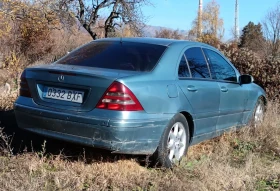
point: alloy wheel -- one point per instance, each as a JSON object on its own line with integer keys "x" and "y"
{"x": 259, "y": 114}
{"x": 176, "y": 142}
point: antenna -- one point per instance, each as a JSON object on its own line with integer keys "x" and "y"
{"x": 199, "y": 22}
{"x": 236, "y": 25}
{"x": 121, "y": 31}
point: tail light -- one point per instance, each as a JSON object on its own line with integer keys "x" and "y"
{"x": 24, "y": 89}
{"x": 119, "y": 97}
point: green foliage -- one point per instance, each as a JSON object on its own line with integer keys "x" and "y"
{"x": 192, "y": 164}
{"x": 269, "y": 184}
{"x": 242, "y": 146}
{"x": 241, "y": 149}
{"x": 252, "y": 37}
{"x": 42, "y": 153}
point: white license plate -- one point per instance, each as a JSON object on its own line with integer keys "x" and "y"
{"x": 64, "y": 94}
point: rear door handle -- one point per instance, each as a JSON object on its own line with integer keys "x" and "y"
{"x": 224, "y": 89}
{"x": 192, "y": 88}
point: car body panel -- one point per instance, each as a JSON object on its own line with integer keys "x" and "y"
{"x": 160, "y": 92}
{"x": 92, "y": 81}
{"x": 255, "y": 92}
{"x": 96, "y": 128}
{"x": 231, "y": 112}
{"x": 205, "y": 113}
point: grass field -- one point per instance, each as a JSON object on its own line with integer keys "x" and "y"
{"x": 247, "y": 159}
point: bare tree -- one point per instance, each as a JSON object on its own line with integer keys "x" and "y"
{"x": 271, "y": 29}
{"x": 88, "y": 13}
{"x": 212, "y": 25}
{"x": 168, "y": 33}
{"x": 211, "y": 22}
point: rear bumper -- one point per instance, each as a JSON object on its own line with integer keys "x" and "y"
{"x": 126, "y": 136}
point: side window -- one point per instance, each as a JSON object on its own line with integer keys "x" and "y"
{"x": 183, "y": 70}
{"x": 197, "y": 63}
{"x": 220, "y": 68}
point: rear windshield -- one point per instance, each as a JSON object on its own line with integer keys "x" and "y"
{"x": 116, "y": 55}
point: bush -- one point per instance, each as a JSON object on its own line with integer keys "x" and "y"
{"x": 265, "y": 71}
{"x": 33, "y": 32}
{"x": 209, "y": 39}
{"x": 26, "y": 29}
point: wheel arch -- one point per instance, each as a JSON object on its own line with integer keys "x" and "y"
{"x": 189, "y": 119}
{"x": 264, "y": 99}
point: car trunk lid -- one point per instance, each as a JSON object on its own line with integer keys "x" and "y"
{"x": 51, "y": 85}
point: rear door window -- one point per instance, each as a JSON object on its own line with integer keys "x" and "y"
{"x": 198, "y": 65}
{"x": 116, "y": 55}
{"x": 220, "y": 68}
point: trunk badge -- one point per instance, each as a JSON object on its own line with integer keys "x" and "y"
{"x": 61, "y": 78}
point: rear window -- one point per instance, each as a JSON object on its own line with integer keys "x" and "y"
{"x": 116, "y": 55}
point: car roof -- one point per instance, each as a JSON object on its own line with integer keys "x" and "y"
{"x": 156, "y": 41}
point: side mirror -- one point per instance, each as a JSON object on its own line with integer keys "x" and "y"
{"x": 246, "y": 79}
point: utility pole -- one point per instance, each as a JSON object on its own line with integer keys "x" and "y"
{"x": 236, "y": 25}
{"x": 199, "y": 22}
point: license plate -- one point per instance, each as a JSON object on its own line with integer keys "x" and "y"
{"x": 64, "y": 94}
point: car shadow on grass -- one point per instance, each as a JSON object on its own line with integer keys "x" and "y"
{"x": 24, "y": 141}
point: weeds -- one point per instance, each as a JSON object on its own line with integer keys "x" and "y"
{"x": 269, "y": 184}
{"x": 41, "y": 154}
{"x": 7, "y": 101}
{"x": 244, "y": 159}
{"x": 5, "y": 144}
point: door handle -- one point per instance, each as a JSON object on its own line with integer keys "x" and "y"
{"x": 224, "y": 89}
{"x": 192, "y": 88}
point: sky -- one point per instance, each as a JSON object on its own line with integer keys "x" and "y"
{"x": 179, "y": 14}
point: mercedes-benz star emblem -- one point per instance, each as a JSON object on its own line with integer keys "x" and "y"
{"x": 61, "y": 78}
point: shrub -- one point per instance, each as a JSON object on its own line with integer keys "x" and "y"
{"x": 265, "y": 71}
{"x": 34, "y": 32}
{"x": 26, "y": 28}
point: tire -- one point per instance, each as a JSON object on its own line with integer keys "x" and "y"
{"x": 174, "y": 142}
{"x": 258, "y": 115}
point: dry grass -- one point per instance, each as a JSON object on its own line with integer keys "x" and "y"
{"x": 7, "y": 100}
{"x": 247, "y": 159}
